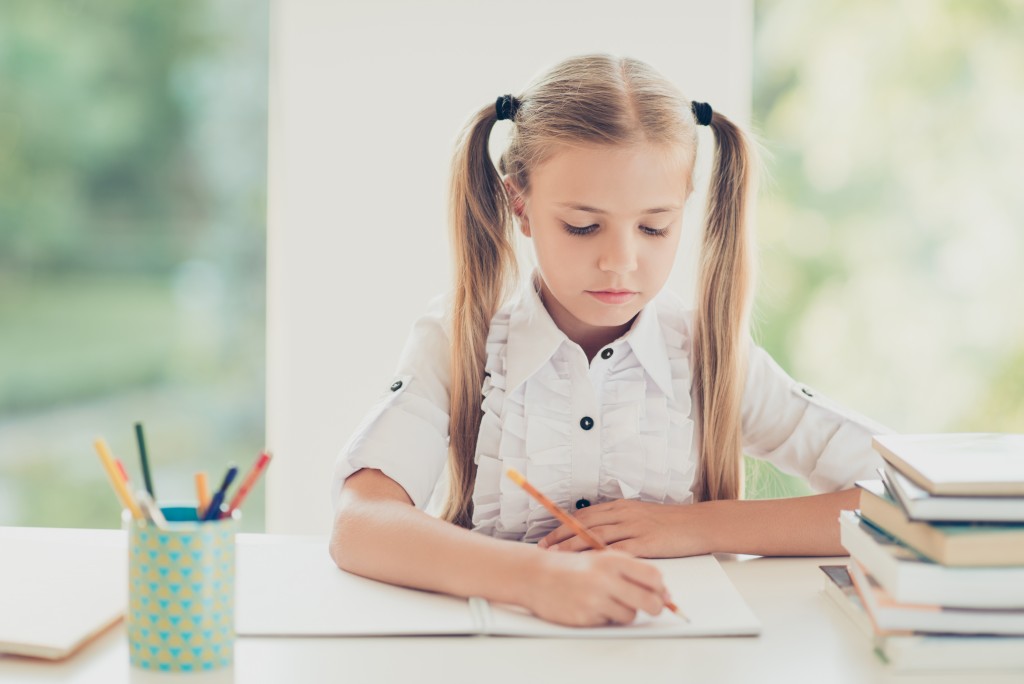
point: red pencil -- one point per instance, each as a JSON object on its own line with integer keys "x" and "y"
{"x": 250, "y": 480}
{"x": 120, "y": 469}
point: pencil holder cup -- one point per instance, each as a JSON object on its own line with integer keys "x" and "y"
{"x": 181, "y": 592}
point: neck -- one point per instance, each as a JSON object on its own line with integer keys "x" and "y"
{"x": 590, "y": 338}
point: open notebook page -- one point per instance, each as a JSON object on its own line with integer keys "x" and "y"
{"x": 297, "y": 590}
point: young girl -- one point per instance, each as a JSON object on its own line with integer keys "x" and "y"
{"x": 591, "y": 380}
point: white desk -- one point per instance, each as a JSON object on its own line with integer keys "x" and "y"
{"x": 805, "y": 638}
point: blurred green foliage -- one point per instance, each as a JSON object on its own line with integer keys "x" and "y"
{"x": 97, "y": 172}
{"x": 132, "y": 192}
{"x": 890, "y": 216}
{"x": 890, "y": 220}
{"x": 132, "y": 195}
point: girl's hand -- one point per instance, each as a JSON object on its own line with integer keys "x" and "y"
{"x": 593, "y": 589}
{"x": 646, "y": 530}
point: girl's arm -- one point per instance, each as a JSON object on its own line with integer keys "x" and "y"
{"x": 378, "y": 533}
{"x": 800, "y": 526}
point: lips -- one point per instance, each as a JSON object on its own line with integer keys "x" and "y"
{"x": 612, "y": 296}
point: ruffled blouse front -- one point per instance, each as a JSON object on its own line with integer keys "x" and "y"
{"x": 620, "y": 426}
{"x": 580, "y": 432}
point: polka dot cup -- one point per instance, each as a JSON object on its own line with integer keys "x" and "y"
{"x": 181, "y": 592}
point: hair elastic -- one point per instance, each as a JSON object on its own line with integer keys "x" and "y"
{"x": 506, "y": 107}
{"x": 702, "y": 111}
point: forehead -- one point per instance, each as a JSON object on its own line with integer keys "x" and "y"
{"x": 618, "y": 179}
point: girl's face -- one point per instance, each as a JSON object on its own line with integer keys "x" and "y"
{"x": 605, "y": 224}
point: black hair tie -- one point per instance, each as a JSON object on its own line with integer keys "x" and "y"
{"x": 702, "y": 111}
{"x": 506, "y": 107}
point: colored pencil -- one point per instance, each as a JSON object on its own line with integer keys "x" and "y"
{"x": 150, "y": 509}
{"x": 120, "y": 488}
{"x": 121, "y": 470}
{"x": 248, "y": 482}
{"x": 145, "y": 460}
{"x": 202, "y": 494}
{"x": 572, "y": 522}
{"x": 213, "y": 511}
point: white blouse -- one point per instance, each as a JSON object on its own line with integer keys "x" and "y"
{"x": 620, "y": 427}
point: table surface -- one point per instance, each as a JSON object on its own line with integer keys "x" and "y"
{"x": 805, "y": 638}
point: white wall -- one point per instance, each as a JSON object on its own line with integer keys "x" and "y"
{"x": 366, "y": 99}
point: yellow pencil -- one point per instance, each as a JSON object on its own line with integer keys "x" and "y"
{"x": 120, "y": 488}
{"x": 202, "y": 494}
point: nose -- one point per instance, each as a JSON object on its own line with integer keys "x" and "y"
{"x": 618, "y": 252}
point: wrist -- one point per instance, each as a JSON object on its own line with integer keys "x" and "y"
{"x": 712, "y": 525}
{"x": 536, "y": 570}
{"x": 523, "y": 567}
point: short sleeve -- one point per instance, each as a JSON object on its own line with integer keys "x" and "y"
{"x": 802, "y": 432}
{"x": 405, "y": 432}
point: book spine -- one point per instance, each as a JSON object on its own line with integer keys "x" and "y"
{"x": 920, "y": 581}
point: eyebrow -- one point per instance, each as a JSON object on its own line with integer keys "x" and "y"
{"x": 593, "y": 210}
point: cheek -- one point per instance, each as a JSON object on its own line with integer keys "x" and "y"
{"x": 663, "y": 252}
{"x": 558, "y": 246}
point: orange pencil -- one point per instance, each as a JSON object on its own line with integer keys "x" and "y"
{"x": 247, "y": 483}
{"x": 202, "y": 494}
{"x": 572, "y": 522}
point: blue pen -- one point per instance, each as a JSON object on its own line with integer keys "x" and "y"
{"x": 213, "y": 511}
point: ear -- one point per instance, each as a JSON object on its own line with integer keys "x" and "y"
{"x": 518, "y": 205}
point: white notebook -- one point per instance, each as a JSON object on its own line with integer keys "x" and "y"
{"x": 57, "y": 593}
{"x": 301, "y": 592}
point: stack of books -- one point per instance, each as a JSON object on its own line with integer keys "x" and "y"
{"x": 936, "y": 571}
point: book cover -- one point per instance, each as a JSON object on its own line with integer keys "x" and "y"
{"x": 50, "y": 610}
{"x": 912, "y": 578}
{"x": 891, "y": 616}
{"x": 839, "y": 587}
{"x": 924, "y": 652}
{"x": 958, "y": 463}
{"x": 920, "y": 505}
{"x": 957, "y": 543}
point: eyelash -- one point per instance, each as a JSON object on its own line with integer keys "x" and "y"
{"x": 587, "y": 230}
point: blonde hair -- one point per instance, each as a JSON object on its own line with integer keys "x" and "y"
{"x": 588, "y": 100}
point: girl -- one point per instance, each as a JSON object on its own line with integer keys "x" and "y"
{"x": 596, "y": 384}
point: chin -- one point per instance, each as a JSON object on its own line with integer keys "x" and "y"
{"x": 612, "y": 317}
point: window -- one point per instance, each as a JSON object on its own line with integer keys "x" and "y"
{"x": 890, "y": 230}
{"x": 132, "y": 250}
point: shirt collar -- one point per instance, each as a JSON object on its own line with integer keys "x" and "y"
{"x": 647, "y": 341}
{"x": 533, "y": 338}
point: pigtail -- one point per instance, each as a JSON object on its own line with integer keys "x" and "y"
{"x": 724, "y": 293}
{"x": 484, "y": 259}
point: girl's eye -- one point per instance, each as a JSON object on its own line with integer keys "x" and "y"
{"x": 575, "y": 230}
{"x": 586, "y": 230}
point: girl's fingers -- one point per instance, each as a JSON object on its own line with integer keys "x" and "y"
{"x": 593, "y": 516}
{"x": 609, "y": 534}
{"x": 559, "y": 534}
{"x": 570, "y": 544}
{"x": 637, "y": 596}
{"x": 646, "y": 576}
{"x": 618, "y": 612}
